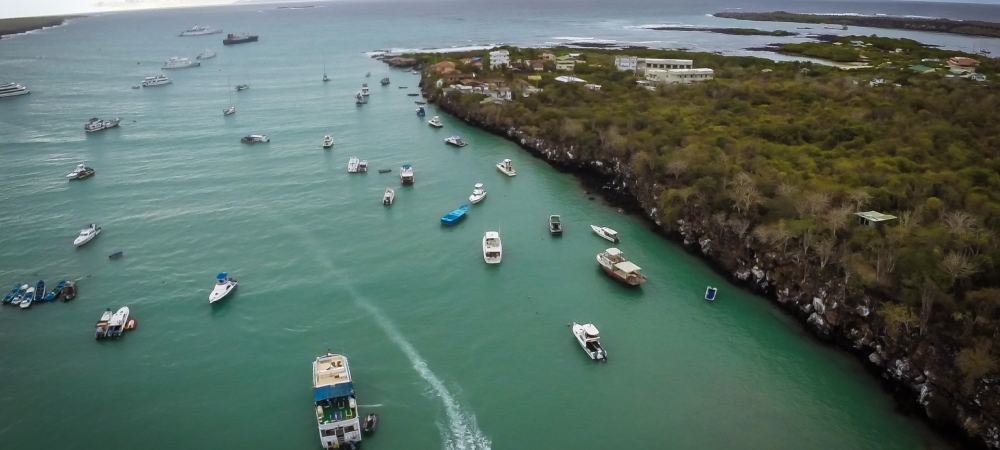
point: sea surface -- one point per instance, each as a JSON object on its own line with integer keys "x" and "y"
{"x": 450, "y": 352}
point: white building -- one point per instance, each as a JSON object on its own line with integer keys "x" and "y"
{"x": 499, "y": 58}
{"x": 678, "y": 76}
{"x": 593, "y": 87}
{"x": 624, "y": 63}
{"x": 569, "y": 79}
{"x": 644, "y": 64}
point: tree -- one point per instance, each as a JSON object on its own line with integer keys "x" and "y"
{"x": 958, "y": 222}
{"x": 957, "y": 266}
{"x": 898, "y": 317}
{"x": 975, "y": 362}
{"x": 824, "y": 249}
{"x": 744, "y": 193}
{"x": 929, "y": 293}
{"x": 859, "y": 198}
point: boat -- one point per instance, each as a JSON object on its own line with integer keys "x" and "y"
{"x": 420, "y": 102}
{"x": 359, "y": 99}
{"x": 335, "y": 403}
{"x": 454, "y": 216}
{"x": 384, "y": 81}
{"x": 606, "y": 233}
{"x": 506, "y": 167}
{"x": 54, "y": 294}
{"x": 985, "y": 51}
{"x": 87, "y": 234}
{"x": 82, "y": 171}
{"x": 412, "y": 94}
{"x": 224, "y": 284}
{"x": 590, "y": 340}
{"x": 710, "y": 293}
{"x": 12, "y": 90}
{"x": 364, "y": 90}
{"x": 406, "y": 174}
{"x": 478, "y": 193}
{"x": 421, "y": 111}
{"x": 435, "y": 122}
{"x": 39, "y": 291}
{"x": 95, "y": 124}
{"x": 229, "y": 111}
{"x": 156, "y": 80}
{"x": 136, "y": 86}
{"x": 363, "y": 166}
{"x": 116, "y": 325}
{"x": 492, "y": 247}
{"x": 327, "y": 141}
{"x": 101, "y": 330}
{"x": 19, "y": 296}
{"x": 403, "y": 87}
{"x": 116, "y": 254}
{"x": 325, "y": 77}
{"x": 242, "y": 87}
{"x": 239, "y": 38}
{"x": 371, "y": 423}
{"x": 614, "y": 264}
{"x": 389, "y": 196}
{"x": 176, "y": 62}
{"x": 206, "y": 54}
{"x": 69, "y": 291}
{"x": 384, "y": 170}
{"x": 455, "y": 140}
{"x": 352, "y": 164}
{"x": 255, "y": 139}
{"x": 200, "y": 30}
{"x": 14, "y": 292}
{"x": 555, "y": 224}
{"x": 28, "y": 298}
{"x": 368, "y": 74}
{"x": 414, "y": 72}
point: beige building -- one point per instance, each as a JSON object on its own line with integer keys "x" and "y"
{"x": 678, "y": 76}
{"x": 644, "y": 64}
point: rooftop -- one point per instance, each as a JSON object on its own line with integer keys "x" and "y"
{"x": 330, "y": 369}
{"x": 874, "y": 216}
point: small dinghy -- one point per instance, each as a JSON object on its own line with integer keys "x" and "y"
{"x": 87, "y": 234}
{"x": 224, "y": 284}
{"x": 28, "y": 298}
{"x": 555, "y": 225}
{"x": 242, "y": 87}
{"x": 590, "y": 340}
{"x": 478, "y": 193}
{"x": 371, "y": 423}
{"x": 456, "y": 215}
{"x": 384, "y": 170}
{"x": 39, "y": 291}
{"x": 54, "y": 294}
{"x": 389, "y": 196}
{"x": 605, "y": 232}
{"x": 69, "y": 291}
{"x": 492, "y": 247}
{"x": 101, "y": 330}
{"x": 710, "y": 293}
{"x": 116, "y": 254}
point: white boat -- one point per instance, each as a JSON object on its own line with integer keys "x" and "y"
{"x": 406, "y": 174}
{"x": 506, "y": 167}
{"x": 455, "y": 140}
{"x": 334, "y": 402}
{"x": 116, "y": 326}
{"x": 363, "y": 165}
{"x": 389, "y": 196}
{"x": 327, "y": 141}
{"x": 200, "y": 30}
{"x": 224, "y": 284}
{"x": 242, "y": 87}
{"x": 492, "y": 247}
{"x": 156, "y": 80}
{"x": 101, "y": 330}
{"x": 590, "y": 340}
{"x": 352, "y": 164}
{"x": 606, "y": 233}
{"x": 87, "y": 234}
{"x": 206, "y": 54}
{"x": 478, "y": 193}
{"x": 81, "y": 172}
{"x": 616, "y": 266}
{"x": 95, "y": 124}
{"x": 255, "y": 139}
{"x": 359, "y": 99}
{"x": 229, "y": 111}
{"x": 28, "y": 298}
{"x": 435, "y": 122}
{"x": 12, "y": 90}
{"x": 364, "y": 90}
{"x": 177, "y": 62}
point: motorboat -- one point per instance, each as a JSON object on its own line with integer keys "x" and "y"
{"x": 384, "y": 81}
{"x": 478, "y": 193}
{"x": 200, "y": 30}
{"x": 506, "y": 167}
{"x": 455, "y": 140}
{"x": 206, "y": 54}
{"x": 19, "y": 296}
{"x": 95, "y": 124}
{"x": 412, "y": 94}
{"x": 224, "y": 284}
{"x": 87, "y": 234}
{"x": 406, "y": 174}
{"x": 364, "y": 90}
{"x": 39, "y": 291}
{"x": 69, "y": 291}
{"x": 242, "y": 87}
{"x": 229, "y": 111}
{"x": 421, "y": 112}
{"x": 363, "y": 166}
{"x": 492, "y": 247}
{"x": 606, "y": 233}
{"x": 352, "y": 164}
{"x": 156, "y": 80}
{"x": 555, "y": 224}
{"x": 101, "y": 331}
{"x": 28, "y": 298}
{"x": 54, "y": 294}
{"x": 82, "y": 171}
{"x": 14, "y": 292}
{"x": 117, "y": 254}
{"x": 327, "y": 141}
{"x": 177, "y": 62}
{"x": 359, "y": 99}
{"x": 335, "y": 403}
{"x": 454, "y": 216}
{"x": 710, "y": 293}
{"x": 615, "y": 265}
{"x": 255, "y": 139}
{"x": 12, "y": 90}
{"x": 239, "y": 38}
{"x": 590, "y": 340}
{"x": 435, "y": 122}
{"x": 389, "y": 196}
{"x": 403, "y": 87}
{"x": 116, "y": 325}
{"x": 371, "y": 423}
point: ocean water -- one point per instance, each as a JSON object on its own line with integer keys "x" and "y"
{"x": 451, "y": 353}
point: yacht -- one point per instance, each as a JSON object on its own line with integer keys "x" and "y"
{"x": 389, "y": 196}
{"x": 352, "y": 164}
{"x": 116, "y": 326}
{"x": 406, "y": 174}
{"x": 224, "y": 284}
{"x": 606, "y": 233}
{"x": 506, "y": 167}
{"x": 555, "y": 225}
{"x": 81, "y": 172}
{"x": 327, "y": 141}
{"x": 96, "y": 124}
{"x": 456, "y": 141}
{"x": 239, "y": 38}
{"x": 87, "y": 234}
{"x": 200, "y": 30}
{"x": 335, "y": 403}
{"x": 176, "y": 62}
{"x": 478, "y": 194}
{"x": 255, "y": 139}
{"x": 492, "y": 247}
{"x": 616, "y": 266}
{"x": 157, "y": 80}
{"x": 206, "y": 54}
{"x": 435, "y": 122}
{"x": 12, "y": 89}
{"x": 364, "y": 90}
{"x": 590, "y": 340}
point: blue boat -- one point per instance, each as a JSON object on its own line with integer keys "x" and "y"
{"x": 710, "y": 293}
{"x": 421, "y": 111}
{"x": 13, "y": 293}
{"x": 455, "y": 215}
{"x": 39, "y": 291}
{"x": 55, "y": 292}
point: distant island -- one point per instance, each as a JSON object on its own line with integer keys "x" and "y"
{"x": 965, "y": 27}
{"x": 25, "y": 24}
{"x": 733, "y": 31}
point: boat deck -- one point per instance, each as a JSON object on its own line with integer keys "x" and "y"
{"x": 334, "y": 413}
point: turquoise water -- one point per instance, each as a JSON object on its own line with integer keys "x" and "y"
{"x": 451, "y": 353}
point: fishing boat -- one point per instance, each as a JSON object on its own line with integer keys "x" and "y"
{"x": 255, "y": 139}
{"x": 242, "y": 87}
{"x": 492, "y": 247}
{"x": 363, "y": 166}
{"x": 14, "y": 292}
{"x": 389, "y": 196}
{"x": 95, "y": 124}
{"x": 456, "y": 215}
{"x": 224, "y": 284}
{"x": 28, "y": 298}
{"x": 54, "y": 294}
{"x": 335, "y": 403}
{"x": 116, "y": 326}
{"x": 406, "y": 174}
{"x": 364, "y": 90}
{"x": 455, "y": 140}
{"x": 506, "y": 167}
{"x": 435, "y": 122}
{"x": 590, "y": 340}
{"x": 352, "y": 164}
{"x": 421, "y": 112}
{"x": 87, "y": 234}
{"x": 606, "y": 233}
{"x": 478, "y": 193}
{"x": 327, "y": 141}
{"x": 117, "y": 254}
{"x": 81, "y": 172}
{"x": 206, "y": 54}
{"x": 239, "y": 38}
{"x": 69, "y": 291}
{"x": 371, "y": 423}
{"x": 555, "y": 225}
{"x": 616, "y": 266}
{"x": 39, "y": 291}
{"x": 101, "y": 330}
{"x": 384, "y": 81}
{"x": 710, "y": 293}
{"x": 19, "y": 296}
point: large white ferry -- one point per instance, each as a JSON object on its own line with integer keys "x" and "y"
{"x": 336, "y": 405}
{"x": 177, "y": 62}
{"x": 12, "y": 89}
{"x": 158, "y": 80}
{"x": 200, "y": 30}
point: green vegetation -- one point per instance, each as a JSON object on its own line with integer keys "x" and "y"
{"x": 878, "y": 51}
{"x": 966, "y": 27}
{"x": 23, "y": 24}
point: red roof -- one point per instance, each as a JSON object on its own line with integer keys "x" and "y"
{"x": 962, "y": 61}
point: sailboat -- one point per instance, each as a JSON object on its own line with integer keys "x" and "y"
{"x": 325, "y": 78}
{"x": 231, "y": 109}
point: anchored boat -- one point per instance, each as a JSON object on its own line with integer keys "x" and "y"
{"x": 389, "y": 196}
{"x": 87, "y": 234}
{"x": 478, "y": 193}
{"x": 335, "y": 403}
{"x": 406, "y": 174}
{"x": 116, "y": 326}
{"x": 327, "y": 141}
{"x": 101, "y": 330}
{"x": 255, "y": 139}
{"x": 224, "y": 284}
{"x": 606, "y": 233}
{"x": 555, "y": 225}
{"x": 435, "y": 122}
{"x": 616, "y": 266}
{"x": 492, "y": 247}
{"x": 590, "y": 340}
{"x": 455, "y": 140}
{"x": 81, "y": 172}
{"x": 710, "y": 293}
{"x": 95, "y": 124}
{"x": 506, "y": 167}
{"x": 456, "y": 215}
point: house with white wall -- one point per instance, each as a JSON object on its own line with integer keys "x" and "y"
{"x": 499, "y": 58}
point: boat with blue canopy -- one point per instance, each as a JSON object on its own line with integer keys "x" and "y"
{"x": 224, "y": 284}
{"x": 455, "y": 216}
{"x": 710, "y": 293}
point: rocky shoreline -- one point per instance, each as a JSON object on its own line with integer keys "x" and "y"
{"x": 964, "y": 27}
{"x": 26, "y": 24}
{"x": 730, "y": 31}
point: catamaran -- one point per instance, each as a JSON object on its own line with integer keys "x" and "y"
{"x": 336, "y": 405}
